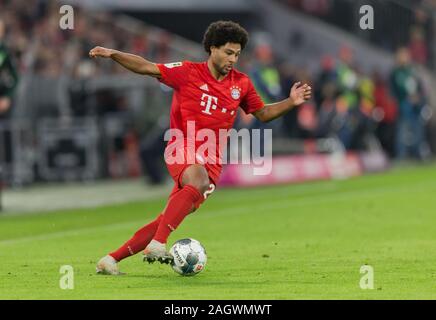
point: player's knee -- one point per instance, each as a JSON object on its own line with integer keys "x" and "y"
{"x": 197, "y": 177}
{"x": 202, "y": 184}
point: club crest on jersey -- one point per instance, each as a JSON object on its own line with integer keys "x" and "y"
{"x": 235, "y": 92}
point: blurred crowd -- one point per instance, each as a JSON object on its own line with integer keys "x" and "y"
{"x": 33, "y": 44}
{"x": 36, "y": 41}
{"x": 362, "y": 111}
{"x": 37, "y": 46}
{"x": 405, "y": 23}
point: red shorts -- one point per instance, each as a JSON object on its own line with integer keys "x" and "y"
{"x": 177, "y": 169}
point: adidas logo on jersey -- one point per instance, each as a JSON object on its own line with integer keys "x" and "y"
{"x": 204, "y": 87}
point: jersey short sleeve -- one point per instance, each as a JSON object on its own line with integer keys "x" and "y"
{"x": 251, "y": 101}
{"x": 174, "y": 74}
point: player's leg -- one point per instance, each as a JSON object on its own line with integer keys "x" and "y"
{"x": 194, "y": 183}
{"x": 141, "y": 238}
{"x": 109, "y": 263}
{"x": 138, "y": 242}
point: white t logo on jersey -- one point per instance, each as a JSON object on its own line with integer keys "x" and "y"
{"x": 210, "y": 102}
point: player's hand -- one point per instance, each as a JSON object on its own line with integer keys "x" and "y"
{"x": 100, "y": 52}
{"x": 5, "y": 104}
{"x": 300, "y": 93}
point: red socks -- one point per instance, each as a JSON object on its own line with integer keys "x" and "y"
{"x": 138, "y": 242}
{"x": 178, "y": 207}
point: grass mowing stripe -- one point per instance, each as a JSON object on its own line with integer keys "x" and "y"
{"x": 283, "y": 242}
{"x": 234, "y": 210}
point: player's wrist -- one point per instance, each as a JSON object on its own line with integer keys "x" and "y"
{"x": 112, "y": 53}
{"x": 290, "y": 102}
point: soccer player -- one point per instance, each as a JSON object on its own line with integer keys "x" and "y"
{"x": 207, "y": 94}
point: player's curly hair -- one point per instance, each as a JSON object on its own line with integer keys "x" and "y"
{"x": 220, "y": 32}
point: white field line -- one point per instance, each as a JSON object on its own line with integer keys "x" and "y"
{"x": 232, "y": 210}
{"x": 49, "y": 198}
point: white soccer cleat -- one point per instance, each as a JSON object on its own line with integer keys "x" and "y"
{"x": 156, "y": 251}
{"x": 108, "y": 265}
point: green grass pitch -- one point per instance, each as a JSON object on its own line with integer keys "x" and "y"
{"x": 304, "y": 241}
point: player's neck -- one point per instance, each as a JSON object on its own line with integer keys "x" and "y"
{"x": 218, "y": 76}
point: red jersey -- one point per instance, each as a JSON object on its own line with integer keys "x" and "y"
{"x": 209, "y": 103}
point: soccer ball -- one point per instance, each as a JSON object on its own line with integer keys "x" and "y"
{"x": 189, "y": 257}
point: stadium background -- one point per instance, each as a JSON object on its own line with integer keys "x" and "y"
{"x": 81, "y": 133}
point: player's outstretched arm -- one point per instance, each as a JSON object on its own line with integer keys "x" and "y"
{"x": 299, "y": 94}
{"x": 129, "y": 61}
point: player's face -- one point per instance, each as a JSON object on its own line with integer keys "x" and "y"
{"x": 225, "y": 57}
